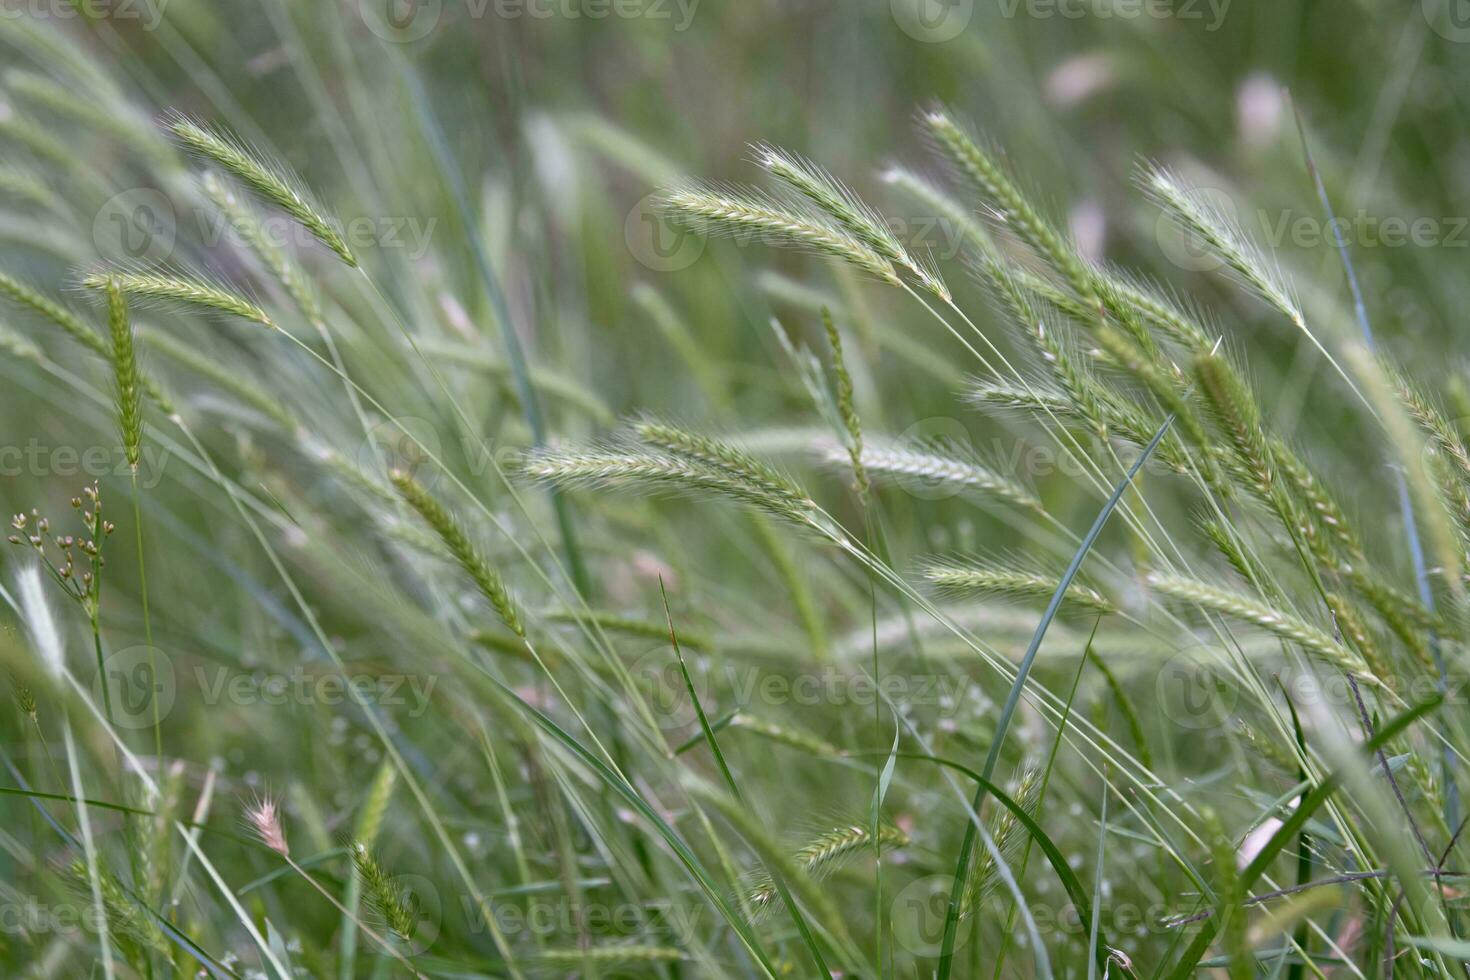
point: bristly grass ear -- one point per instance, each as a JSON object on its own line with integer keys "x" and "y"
{"x": 836, "y": 200}
{"x": 180, "y": 288}
{"x": 744, "y": 213}
{"x": 268, "y": 179}
{"x": 125, "y": 372}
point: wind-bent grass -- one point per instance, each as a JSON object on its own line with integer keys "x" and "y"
{"x": 480, "y": 693}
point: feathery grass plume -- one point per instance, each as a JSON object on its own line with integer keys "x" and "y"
{"x": 825, "y": 853}
{"x": 845, "y": 406}
{"x": 1352, "y": 628}
{"x": 184, "y": 289}
{"x": 491, "y": 586}
{"x": 613, "y": 955}
{"x": 1249, "y": 610}
{"x": 960, "y": 578}
{"x": 1449, "y": 456}
{"x": 940, "y": 465}
{"x": 712, "y": 452}
{"x": 838, "y": 201}
{"x": 1119, "y": 289}
{"x": 384, "y": 894}
{"x": 267, "y": 179}
{"x": 1002, "y": 826}
{"x": 992, "y": 180}
{"x": 665, "y": 473}
{"x": 1235, "y": 410}
{"x": 1222, "y": 233}
{"x": 231, "y": 379}
{"x": 1227, "y": 541}
{"x": 1087, "y": 395}
{"x": 247, "y": 224}
{"x": 1318, "y": 501}
{"x": 749, "y": 212}
{"x": 263, "y": 819}
{"x": 125, "y": 371}
{"x": 28, "y": 187}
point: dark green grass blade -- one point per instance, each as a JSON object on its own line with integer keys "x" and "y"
{"x": 1054, "y": 856}
{"x": 166, "y": 926}
{"x": 714, "y": 747}
{"x": 962, "y": 865}
{"x": 677, "y": 844}
{"x": 1292, "y": 826}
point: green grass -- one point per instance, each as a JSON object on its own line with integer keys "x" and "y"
{"x": 794, "y": 496}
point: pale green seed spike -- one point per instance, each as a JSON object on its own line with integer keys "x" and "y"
{"x": 749, "y": 214}
{"x": 267, "y": 179}
{"x": 1250, "y": 610}
{"x": 25, "y": 296}
{"x": 457, "y": 541}
{"x": 247, "y": 224}
{"x": 195, "y": 292}
{"x": 666, "y": 474}
{"x": 125, "y": 372}
{"x": 845, "y": 405}
{"x": 836, "y": 200}
{"x": 990, "y": 579}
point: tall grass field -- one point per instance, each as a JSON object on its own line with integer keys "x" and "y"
{"x": 686, "y": 488}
